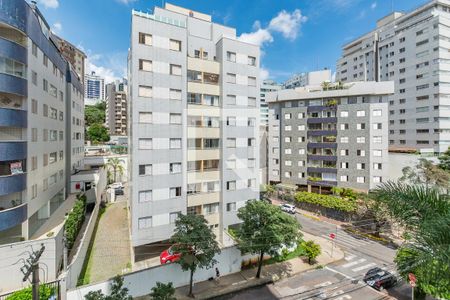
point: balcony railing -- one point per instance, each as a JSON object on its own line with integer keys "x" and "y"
{"x": 13, "y": 150}
{"x": 13, "y": 183}
{"x": 322, "y": 120}
{"x": 322, "y": 157}
{"x": 13, "y": 216}
{"x": 322, "y": 145}
{"x": 322, "y": 132}
{"x": 322, "y": 183}
{"x": 322, "y": 169}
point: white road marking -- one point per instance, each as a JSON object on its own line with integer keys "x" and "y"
{"x": 335, "y": 271}
{"x": 350, "y": 257}
{"x": 350, "y": 264}
{"x": 363, "y": 267}
{"x": 337, "y": 293}
{"x": 326, "y": 283}
{"x": 344, "y": 297}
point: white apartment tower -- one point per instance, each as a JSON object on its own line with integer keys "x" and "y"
{"x": 412, "y": 50}
{"x": 193, "y": 122}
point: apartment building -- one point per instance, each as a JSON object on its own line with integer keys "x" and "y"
{"x": 94, "y": 89}
{"x": 193, "y": 120}
{"x": 319, "y": 138}
{"x": 72, "y": 54}
{"x": 410, "y": 49}
{"x": 314, "y": 78}
{"x": 37, "y": 89}
{"x": 267, "y": 86}
{"x": 116, "y": 108}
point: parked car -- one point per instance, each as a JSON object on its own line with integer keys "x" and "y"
{"x": 119, "y": 191}
{"x": 288, "y": 208}
{"x": 379, "y": 279}
{"x": 169, "y": 256}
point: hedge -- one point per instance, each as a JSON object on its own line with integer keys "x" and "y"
{"x": 45, "y": 293}
{"x": 326, "y": 201}
{"x": 75, "y": 220}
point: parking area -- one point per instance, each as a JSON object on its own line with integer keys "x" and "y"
{"x": 148, "y": 255}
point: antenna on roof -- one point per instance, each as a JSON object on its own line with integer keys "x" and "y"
{"x": 392, "y": 5}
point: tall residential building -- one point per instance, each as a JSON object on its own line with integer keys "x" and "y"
{"x": 40, "y": 96}
{"x": 193, "y": 122}
{"x": 266, "y": 87}
{"x": 314, "y": 78}
{"x": 412, "y": 50}
{"x": 116, "y": 108}
{"x": 94, "y": 89}
{"x": 72, "y": 54}
{"x": 319, "y": 139}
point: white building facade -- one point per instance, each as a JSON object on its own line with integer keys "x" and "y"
{"x": 94, "y": 89}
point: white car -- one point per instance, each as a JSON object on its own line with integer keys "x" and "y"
{"x": 288, "y": 208}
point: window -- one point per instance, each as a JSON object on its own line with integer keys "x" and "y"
{"x": 34, "y": 106}
{"x": 212, "y": 208}
{"x": 231, "y": 206}
{"x": 377, "y": 153}
{"x": 174, "y": 94}
{"x": 377, "y": 139}
{"x": 175, "y": 144}
{"x": 360, "y": 166}
{"x": 251, "y": 162}
{"x": 175, "y": 70}
{"x": 360, "y": 113}
{"x": 376, "y": 179}
{"x": 145, "y": 144}
{"x": 34, "y": 77}
{"x": 288, "y": 163}
{"x": 61, "y": 155}
{"x": 231, "y": 56}
{"x": 288, "y": 139}
{"x": 344, "y": 139}
{"x": 360, "y": 179}
{"x": 145, "y": 222}
{"x": 61, "y": 135}
{"x": 61, "y": 116}
{"x": 251, "y": 122}
{"x": 251, "y": 61}
{"x": 344, "y": 165}
{"x": 287, "y": 128}
{"x": 376, "y": 113}
{"x": 45, "y": 135}
{"x": 34, "y": 163}
{"x": 175, "y": 118}
{"x": 344, "y": 152}
{"x": 175, "y": 192}
{"x": 175, "y": 45}
{"x": 231, "y": 100}
{"x": 251, "y": 81}
{"x": 231, "y": 143}
{"x": 288, "y": 174}
{"x": 145, "y": 91}
{"x": 53, "y": 91}
{"x": 33, "y": 191}
{"x": 377, "y": 126}
{"x": 231, "y": 121}
{"x": 344, "y": 114}
{"x": 45, "y": 160}
{"x": 145, "y": 39}
{"x": 301, "y": 115}
{"x": 173, "y": 217}
{"x": 301, "y": 151}
{"x": 145, "y": 65}
{"x": 53, "y": 135}
{"x": 360, "y": 126}
{"x": 344, "y": 178}
{"x": 194, "y": 76}
{"x": 301, "y": 175}
{"x": 45, "y": 60}
{"x": 377, "y": 166}
{"x": 251, "y": 101}
{"x": 231, "y": 185}
{"x": 251, "y": 183}
{"x": 145, "y": 169}
{"x": 53, "y": 113}
{"x": 301, "y": 128}
{"x": 344, "y": 126}
{"x": 53, "y": 157}
{"x": 45, "y": 85}
{"x": 288, "y": 151}
{"x": 360, "y": 140}
{"x": 34, "y": 134}
{"x": 360, "y": 152}
{"x": 251, "y": 142}
{"x": 145, "y": 117}
{"x": 231, "y": 78}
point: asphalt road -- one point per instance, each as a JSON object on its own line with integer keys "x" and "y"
{"x": 340, "y": 280}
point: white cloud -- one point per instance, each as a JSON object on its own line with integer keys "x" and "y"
{"x": 57, "y": 27}
{"x": 264, "y": 73}
{"x": 126, "y": 1}
{"x": 111, "y": 66}
{"x": 286, "y": 23}
{"x": 373, "y": 6}
{"x": 49, "y": 3}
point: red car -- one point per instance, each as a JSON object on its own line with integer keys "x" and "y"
{"x": 169, "y": 256}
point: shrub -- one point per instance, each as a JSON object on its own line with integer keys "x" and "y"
{"x": 75, "y": 220}
{"x": 326, "y": 201}
{"x": 312, "y": 250}
{"x": 163, "y": 291}
{"x": 45, "y": 293}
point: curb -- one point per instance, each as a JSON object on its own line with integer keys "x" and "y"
{"x": 237, "y": 288}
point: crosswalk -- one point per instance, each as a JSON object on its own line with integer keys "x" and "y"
{"x": 346, "y": 240}
{"x": 356, "y": 264}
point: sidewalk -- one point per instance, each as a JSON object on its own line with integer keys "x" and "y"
{"x": 270, "y": 273}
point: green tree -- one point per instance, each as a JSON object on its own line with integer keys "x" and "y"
{"x": 372, "y": 213}
{"x": 425, "y": 214}
{"x": 116, "y": 165}
{"x": 196, "y": 243}
{"x": 326, "y": 85}
{"x": 163, "y": 291}
{"x": 97, "y": 133}
{"x": 95, "y": 114}
{"x": 427, "y": 173}
{"x": 265, "y": 228}
{"x": 444, "y": 160}
{"x": 118, "y": 292}
{"x": 312, "y": 250}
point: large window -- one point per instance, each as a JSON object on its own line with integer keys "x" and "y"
{"x": 251, "y": 61}
{"x": 145, "y": 117}
{"x": 231, "y": 78}
{"x": 145, "y": 65}
{"x": 231, "y": 56}
{"x": 175, "y": 118}
{"x": 145, "y": 91}
{"x": 145, "y": 196}
{"x": 194, "y": 76}
{"x": 12, "y": 67}
{"x": 145, "y": 144}
{"x": 175, "y": 45}
{"x": 251, "y": 81}
{"x": 175, "y": 192}
{"x": 145, "y": 169}
{"x": 194, "y": 98}
{"x": 174, "y": 94}
{"x": 175, "y": 70}
{"x": 175, "y": 168}
{"x": 145, "y": 39}
{"x": 145, "y": 222}
{"x": 211, "y": 100}
{"x": 53, "y": 157}
{"x": 175, "y": 143}
{"x": 211, "y": 208}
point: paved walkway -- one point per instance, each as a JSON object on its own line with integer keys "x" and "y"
{"x": 111, "y": 253}
{"x": 270, "y": 273}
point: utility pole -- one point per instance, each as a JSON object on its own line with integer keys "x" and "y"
{"x": 32, "y": 268}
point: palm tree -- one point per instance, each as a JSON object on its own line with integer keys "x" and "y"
{"x": 326, "y": 85}
{"x": 424, "y": 212}
{"x": 116, "y": 165}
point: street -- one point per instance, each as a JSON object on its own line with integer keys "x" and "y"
{"x": 340, "y": 280}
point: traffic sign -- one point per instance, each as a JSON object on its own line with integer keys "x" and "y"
{"x": 332, "y": 236}
{"x": 412, "y": 279}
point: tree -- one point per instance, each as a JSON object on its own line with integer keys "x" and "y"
{"x": 163, "y": 291}
{"x": 427, "y": 173}
{"x": 196, "y": 243}
{"x": 444, "y": 160}
{"x": 265, "y": 228}
{"x": 425, "y": 213}
{"x": 97, "y": 133}
{"x": 372, "y": 213}
{"x": 326, "y": 85}
{"x": 116, "y": 165}
{"x": 312, "y": 250}
{"x": 118, "y": 292}
{"x": 95, "y": 114}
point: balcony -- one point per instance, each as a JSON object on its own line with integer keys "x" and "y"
{"x": 322, "y": 132}
{"x": 322, "y": 170}
{"x": 322, "y": 157}
{"x": 320, "y": 108}
{"x": 13, "y": 85}
{"x": 203, "y": 198}
{"x": 13, "y": 216}
{"x": 322, "y": 145}
{"x": 13, "y": 118}
{"x": 12, "y": 183}
{"x": 322, "y": 183}
{"x": 322, "y": 120}
{"x": 13, "y": 151}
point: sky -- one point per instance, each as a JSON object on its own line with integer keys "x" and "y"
{"x": 294, "y": 35}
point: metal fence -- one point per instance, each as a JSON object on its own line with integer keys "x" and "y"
{"x": 49, "y": 290}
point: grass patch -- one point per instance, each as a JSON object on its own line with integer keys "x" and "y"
{"x": 85, "y": 273}
{"x": 299, "y": 251}
{"x": 369, "y": 236}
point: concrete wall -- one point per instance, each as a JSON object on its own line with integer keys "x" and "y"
{"x": 140, "y": 283}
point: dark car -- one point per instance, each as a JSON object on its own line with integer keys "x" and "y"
{"x": 379, "y": 279}
{"x": 119, "y": 191}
